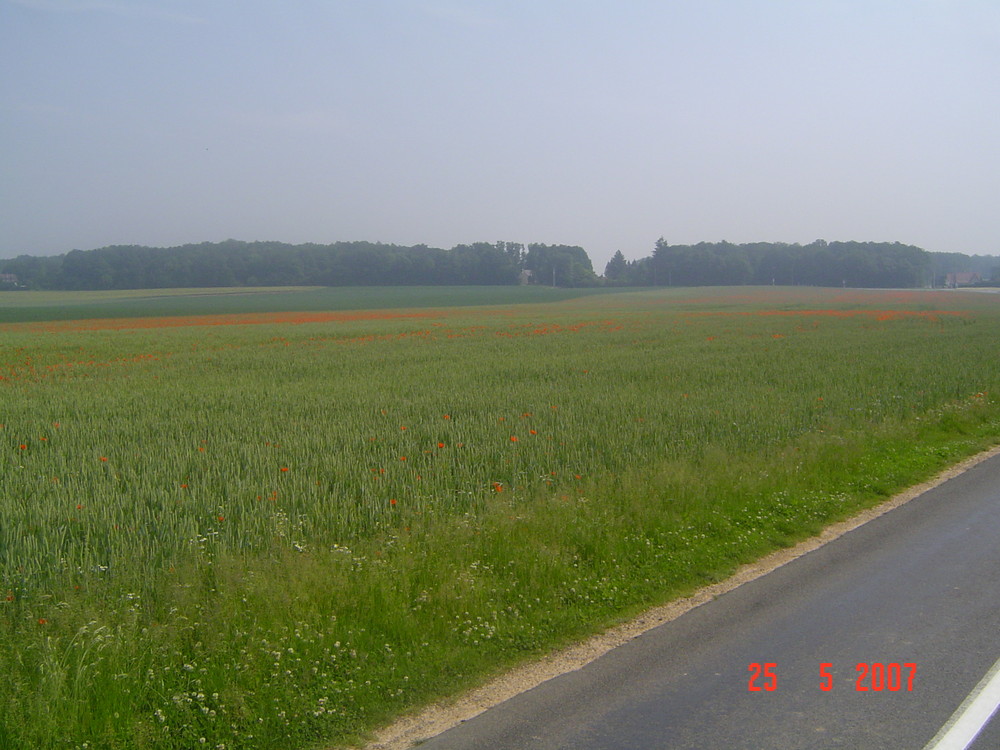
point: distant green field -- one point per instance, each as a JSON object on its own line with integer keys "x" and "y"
{"x": 279, "y": 531}
{"x": 21, "y": 307}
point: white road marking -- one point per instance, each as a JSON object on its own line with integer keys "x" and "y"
{"x": 970, "y": 718}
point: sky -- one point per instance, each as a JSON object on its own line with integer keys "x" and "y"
{"x": 600, "y": 123}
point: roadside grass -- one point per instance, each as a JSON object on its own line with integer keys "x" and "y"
{"x": 281, "y": 536}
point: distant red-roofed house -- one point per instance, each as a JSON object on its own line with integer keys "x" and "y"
{"x": 8, "y": 278}
{"x": 962, "y": 279}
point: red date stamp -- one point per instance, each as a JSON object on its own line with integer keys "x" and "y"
{"x": 874, "y": 677}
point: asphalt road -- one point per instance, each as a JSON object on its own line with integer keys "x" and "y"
{"x": 919, "y": 585}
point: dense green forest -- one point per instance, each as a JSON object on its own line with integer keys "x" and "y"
{"x": 821, "y": 263}
{"x": 235, "y": 263}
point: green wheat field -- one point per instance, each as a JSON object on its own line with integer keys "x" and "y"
{"x": 287, "y": 518}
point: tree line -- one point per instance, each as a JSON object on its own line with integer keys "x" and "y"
{"x": 235, "y": 263}
{"x": 820, "y": 263}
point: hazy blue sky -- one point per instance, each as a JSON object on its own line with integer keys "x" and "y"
{"x": 603, "y": 123}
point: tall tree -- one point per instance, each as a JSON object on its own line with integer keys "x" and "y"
{"x": 617, "y": 267}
